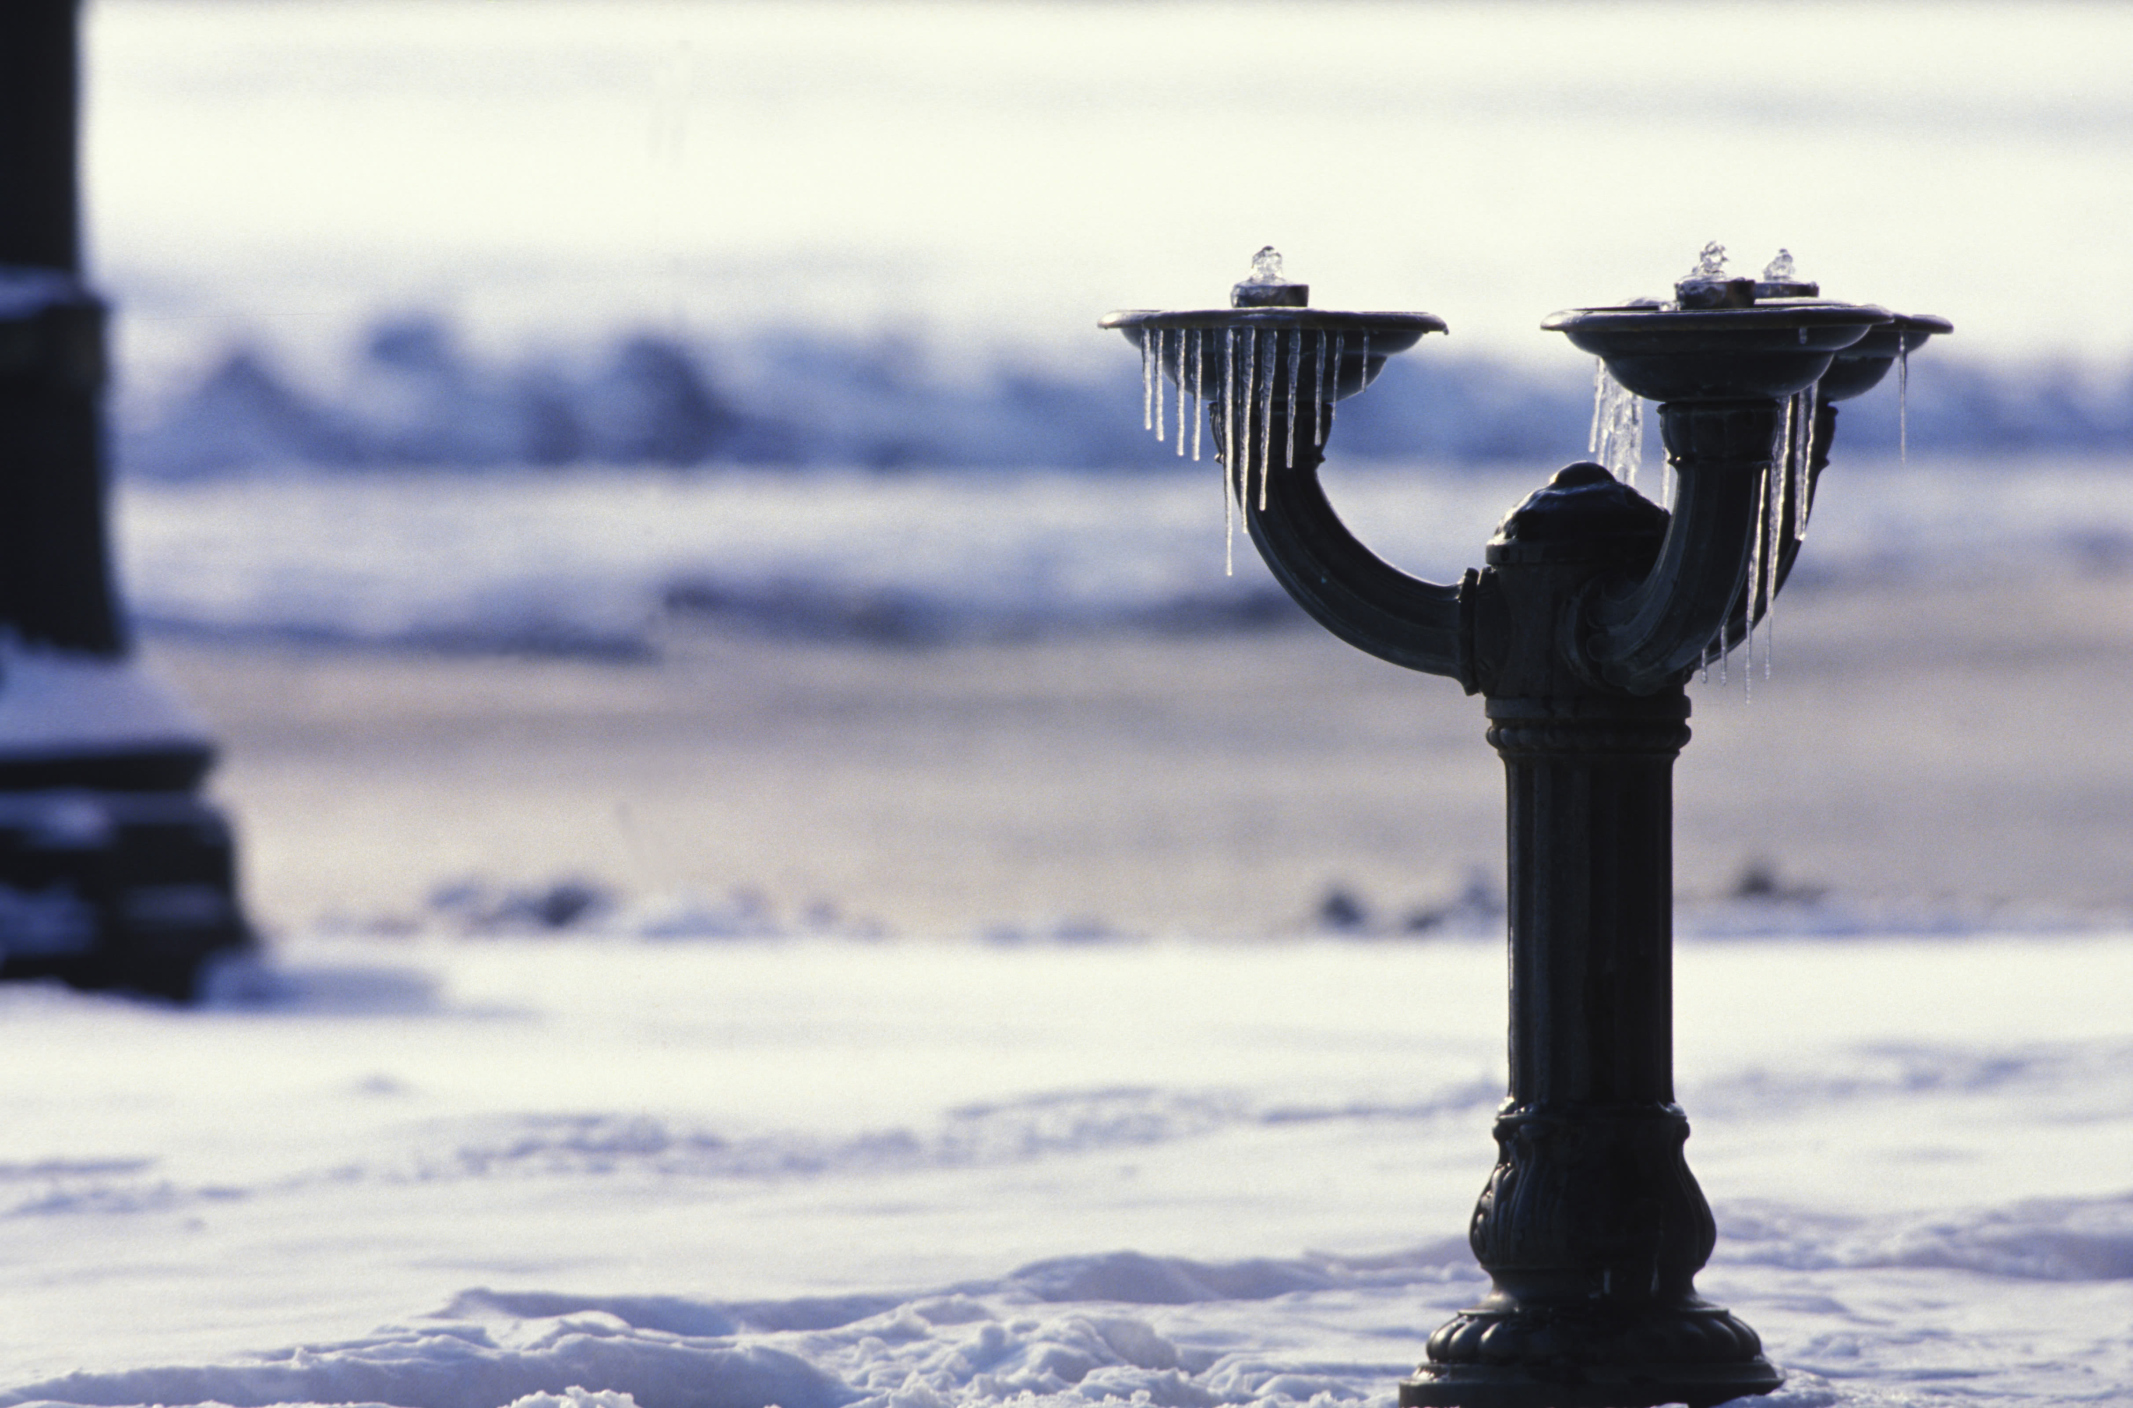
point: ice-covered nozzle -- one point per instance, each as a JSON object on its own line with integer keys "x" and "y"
{"x": 1266, "y": 288}
{"x": 1709, "y": 286}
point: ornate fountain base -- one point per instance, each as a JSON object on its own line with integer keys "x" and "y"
{"x": 1592, "y": 1382}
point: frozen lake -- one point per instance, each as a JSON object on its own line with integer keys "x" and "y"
{"x": 593, "y": 561}
{"x": 450, "y": 1174}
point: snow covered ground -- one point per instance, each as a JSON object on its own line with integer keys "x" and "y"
{"x": 453, "y": 1174}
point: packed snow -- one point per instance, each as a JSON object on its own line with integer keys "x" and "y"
{"x": 450, "y": 1173}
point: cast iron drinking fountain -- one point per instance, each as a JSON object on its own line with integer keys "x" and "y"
{"x": 1581, "y": 633}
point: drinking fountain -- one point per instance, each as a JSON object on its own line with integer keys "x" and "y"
{"x": 1594, "y": 609}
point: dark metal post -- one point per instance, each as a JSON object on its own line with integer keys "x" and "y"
{"x": 55, "y": 575}
{"x": 40, "y": 222}
{"x": 114, "y": 871}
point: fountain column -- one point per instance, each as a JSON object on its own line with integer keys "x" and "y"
{"x": 1591, "y": 1226}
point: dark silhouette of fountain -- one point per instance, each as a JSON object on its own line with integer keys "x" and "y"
{"x": 1594, "y": 609}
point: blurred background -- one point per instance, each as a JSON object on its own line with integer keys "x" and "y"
{"x": 654, "y": 463}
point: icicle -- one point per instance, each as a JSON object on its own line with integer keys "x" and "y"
{"x": 1318, "y": 395}
{"x": 1265, "y": 414}
{"x": 1159, "y": 380}
{"x": 1229, "y": 526}
{"x": 1147, "y": 385}
{"x": 1366, "y": 364}
{"x": 1803, "y": 460}
{"x": 1758, "y": 567}
{"x": 1599, "y": 406}
{"x": 1789, "y": 435}
{"x": 1340, "y": 359}
{"x": 1184, "y": 391}
{"x": 1773, "y": 526}
{"x": 1903, "y": 402}
{"x": 1617, "y": 437}
{"x": 1296, "y": 354}
{"x": 1199, "y": 388}
{"x": 1229, "y": 442}
{"x": 1251, "y": 385}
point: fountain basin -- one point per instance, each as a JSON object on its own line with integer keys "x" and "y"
{"x": 1763, "y": 352}
{"x": 1355, "y": 344}
{"x": 1860, "y": 367}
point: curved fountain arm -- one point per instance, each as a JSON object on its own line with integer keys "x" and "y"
{"x": 1346, "y": 588}
{"x": 1643, "y": 635}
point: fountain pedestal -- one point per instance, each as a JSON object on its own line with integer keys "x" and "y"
{"x": 1591, "y": 1227}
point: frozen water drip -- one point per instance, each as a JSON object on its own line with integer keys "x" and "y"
{"x": 1199, "y": 388}
{"x": 1333, "y": 392}
{"x": 1803, "y": 454}
{"x": 1617, "y": 438}
{"x": 1319, "y": 396}
{"x": 1773, "y": 528}
{"x": 1184, "y": 388}
{"x": 1251, "y": 382}
{"x": 1295, "y": 374}
{"x": 1266, "y": 411}
{"x": 1147, "y": 385}
{"x": 1230, "y": 501}
{"x": 1159, "y": 380}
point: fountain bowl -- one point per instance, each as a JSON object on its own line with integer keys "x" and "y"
{"x": 1765, "y": 351}
{"x": 1860, "y": 367}
{"x": 1365, "y": 340}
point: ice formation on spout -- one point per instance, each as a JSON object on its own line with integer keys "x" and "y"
{"x": 1711, "y": 263}
{"x": 1148, "y": 376}
{"x": 1266, "y": 267}
{"x": 1266, "y": 412}
{"x": 1780, "y": 270}
{"x": 1319, "y": 399}
{"x": 1617, "y": 438}
{"x": 1783, "y": 504}
{"x": 1159, "y": 386}
{"x": 1199, "y": 388}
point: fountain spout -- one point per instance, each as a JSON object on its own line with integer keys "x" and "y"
{"x": 1722, "y": 372}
